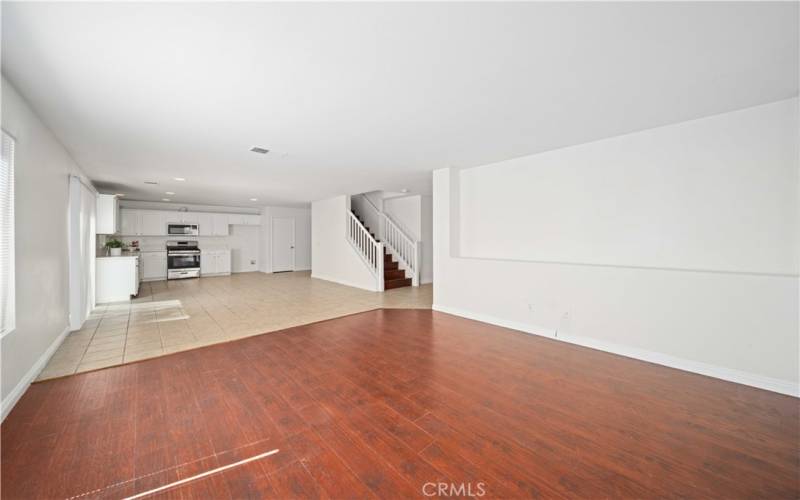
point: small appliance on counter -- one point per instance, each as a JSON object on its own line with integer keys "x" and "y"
{"x": 183, "y": 260}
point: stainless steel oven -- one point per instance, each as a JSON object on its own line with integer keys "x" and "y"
{"x": 182, "y": 229}
{"x": 183, "y": 260}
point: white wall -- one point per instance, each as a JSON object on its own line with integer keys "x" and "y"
{"x": 414, "y": 214}
{"x": 332, "y": 257}
{"x": 302, "y": 236}
{"x": 678, "y": 245}
{"x": 42, "y": 169}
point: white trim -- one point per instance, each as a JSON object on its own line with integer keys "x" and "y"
{"x": 342, "y": 282}
{"x": 729, "y": 374}
{"x": 16, "y": 393}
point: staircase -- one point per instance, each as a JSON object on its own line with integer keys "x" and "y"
{"x": 393, "y": 276}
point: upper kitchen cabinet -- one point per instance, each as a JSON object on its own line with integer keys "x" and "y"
{"x": 221, "y": 222}
{"x": 129, "y": 222}
{"x": 252, "y": 220}
{"x": 205, "y": 224}
{"x": 107, "y": 221}
{"x": 181, "y": 217}
{"x": 152, "y": 223}
{"x": 142, "y": 223}
{"x": 235, "y": 219}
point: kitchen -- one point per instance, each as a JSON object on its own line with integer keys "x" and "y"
{"x": 167, "y": 242}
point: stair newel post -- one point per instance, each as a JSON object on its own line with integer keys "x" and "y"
{"x": 380, "y": 266}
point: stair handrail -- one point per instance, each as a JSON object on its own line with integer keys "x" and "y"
{"x": 398, "y": 240}
{"x": 368, "y": 248}
{"x": 402, "y": 246}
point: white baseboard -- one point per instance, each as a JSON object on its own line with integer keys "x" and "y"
{"x": 731, "y": 375}
{"x": 12, "y": 398}
{"x": 341, "y": 282}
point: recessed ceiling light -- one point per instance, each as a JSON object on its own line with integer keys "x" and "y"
{"x": 179, "y": 179}
{"x": 404, "y": 190}
{"x": 253, "y": 199}
{"x": 165, "y": 199}
{"x": 150, "y": 182}
{"x": 169, "y": 192}
{"x": 119, "y": 194}
{"x": 261, "y": 151}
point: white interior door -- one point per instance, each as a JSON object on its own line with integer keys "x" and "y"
{"x": 282, "y": 244}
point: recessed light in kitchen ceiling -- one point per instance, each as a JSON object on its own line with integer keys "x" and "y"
{"x": 119, "y": 194}
{"x": 253, "y": 199}
{"x": 165, "y": 199}
{"x": 179, "y": 179}
{"x": 261, "y": 151}
{"x": 169, "y": 192}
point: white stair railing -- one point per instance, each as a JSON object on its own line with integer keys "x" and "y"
{"x": 370, "y": 250}
{"x": 397, "y": 240}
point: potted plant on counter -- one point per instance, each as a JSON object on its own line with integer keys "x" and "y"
{"x": 114, "y": 247}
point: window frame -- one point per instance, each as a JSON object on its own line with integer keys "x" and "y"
{"x": 8, "y": 318}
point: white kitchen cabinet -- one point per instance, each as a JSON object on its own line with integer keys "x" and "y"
{"x": 116, "y": 278}
{"x": 154, "y": 265}
{"x": 205, "y": 224}
{"x": 221, "y": 222}
{"x": 129, "y": 222}
{"x": 151, "y": 223}
{"x": 214, "y": 262}
{"x": 107, "y": 218}
{"x": 224, "y": 262}
{"x": 177, "y": 217}
{"x": 235, "y": 219}
{"x": 252, "y": 220}
{"x": 142, "y": 223}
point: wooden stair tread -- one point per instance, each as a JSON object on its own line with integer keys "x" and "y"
{"x": 389, "y": 284}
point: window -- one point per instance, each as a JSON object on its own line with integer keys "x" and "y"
{"x": 7, "y": 235}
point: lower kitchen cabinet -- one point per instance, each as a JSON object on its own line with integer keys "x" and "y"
{"x": 215, "y": 262}
{"x": 154, "y": 265}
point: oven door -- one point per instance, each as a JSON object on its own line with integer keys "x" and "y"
{"x": 183, "y": 260}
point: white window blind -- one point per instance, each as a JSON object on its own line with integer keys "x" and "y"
{"x": 7, "y": 235}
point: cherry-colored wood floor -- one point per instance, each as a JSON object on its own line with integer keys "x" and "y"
{"x": 380, "y": 403}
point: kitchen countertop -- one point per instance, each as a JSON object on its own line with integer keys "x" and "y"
{"x": 123, "y": 256}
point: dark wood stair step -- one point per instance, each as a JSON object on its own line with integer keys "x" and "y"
{"x": 393, "y": 274}
{"x": 390, "y": 266}
{"x": 389, "y": 284}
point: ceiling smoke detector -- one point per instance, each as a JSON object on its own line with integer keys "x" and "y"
{"x": 261, "y": 151}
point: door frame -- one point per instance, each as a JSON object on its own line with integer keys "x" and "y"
{"x": 272, "y": 244}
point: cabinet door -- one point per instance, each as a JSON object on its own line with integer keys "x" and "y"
{"x": 252, "y": 220}
{"x": 129, "y": 222}
{"x": 205, "y": 224}
{"x": 221, "y": 224}
{"x": 154, "y": 265}
{"x": 189, "y": 217}
{"x": 207, "y": 263}
{"x": 152, "y": 223}
{"x": 235, "y": 219}
{"x": 224, "y": 262}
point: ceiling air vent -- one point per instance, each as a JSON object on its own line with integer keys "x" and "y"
{"x": 261, "y": 151}
{"x": 150, "y": 182}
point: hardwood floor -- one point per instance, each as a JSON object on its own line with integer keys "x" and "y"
{"x": 383, "y": 403}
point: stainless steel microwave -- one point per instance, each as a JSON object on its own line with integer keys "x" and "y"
{"x": 182, "y": 229}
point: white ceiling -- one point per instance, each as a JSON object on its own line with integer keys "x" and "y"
{"x": 366, "y": 96}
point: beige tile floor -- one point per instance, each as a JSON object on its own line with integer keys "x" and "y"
{"x": 172, "y": 316}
